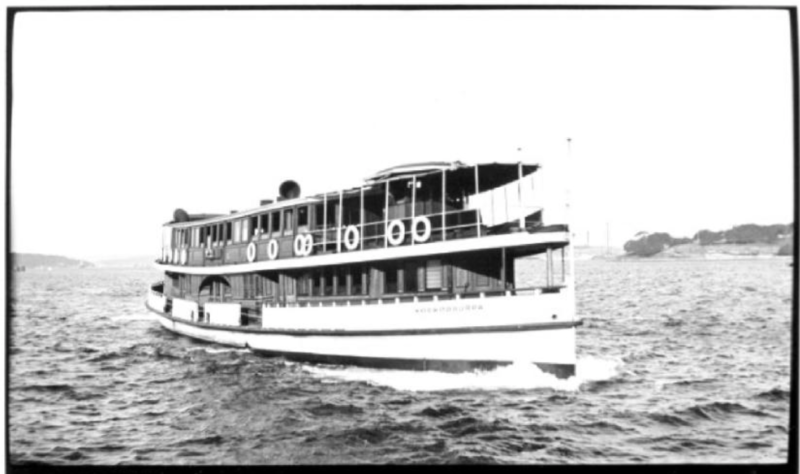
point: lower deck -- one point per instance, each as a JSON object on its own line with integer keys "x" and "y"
{"x": 478, "y": 274}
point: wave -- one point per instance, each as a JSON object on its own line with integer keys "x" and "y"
{"x": 517, "y": 376}
{"x": 328, "y": 409}
{"x": 714, "y": 410}
{"x": 775, "y": 395}
{"x": 445, "y": 411}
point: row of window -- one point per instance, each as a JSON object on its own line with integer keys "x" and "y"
{"x": 337, "y": 281}
{"x": 287, "y": 221}
{"x": 349, "y": 280}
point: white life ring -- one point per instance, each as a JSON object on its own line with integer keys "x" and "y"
{"x": 299, "y": 245}
{"x": 303, "y": 245}
{"x": 351, "y": 237}
{"x": 309, "y": 244}
{"x": 251, "y": 252}
{"x": 272, "y": 249}
{"x": 396, "y": 240}
{"x": 426, "y": 233}
{"x": 184, "y": 256}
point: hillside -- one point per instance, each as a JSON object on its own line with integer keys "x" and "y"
{"x": 35, "y": 260}
{"x": 146, "y": 261}
{"x": 749, "y": 240}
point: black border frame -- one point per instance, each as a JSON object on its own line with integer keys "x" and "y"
{"x": 791, "y": 466}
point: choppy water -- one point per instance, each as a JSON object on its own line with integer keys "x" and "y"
{"x": 684, "y": 361}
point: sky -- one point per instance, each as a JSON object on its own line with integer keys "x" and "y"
{"x": 679, "y": 120}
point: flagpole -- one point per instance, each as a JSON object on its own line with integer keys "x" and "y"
{"x": 570, "y": 230}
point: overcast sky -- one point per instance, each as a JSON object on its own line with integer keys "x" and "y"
{"x": 680, "y": 120}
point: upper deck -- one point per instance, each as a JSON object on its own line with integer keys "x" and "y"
{"x": 401, "y": 212}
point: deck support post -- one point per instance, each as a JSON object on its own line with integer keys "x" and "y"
{"x": 444, "y": 188}
{"x": 325, "y": 223}
{"x": 549, "y": 266}
{"x": 503, "y": 267}
{"x": 413, "y": 206}
{"x": 519, "y": 192}
{"x": 361, "y": 221}
{"x": 386, "y": 217}
{"x": 339, "y": 224}
{"x": 477, "y": 212}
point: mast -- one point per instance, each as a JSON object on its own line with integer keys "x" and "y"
{"x": 571, "y": 282}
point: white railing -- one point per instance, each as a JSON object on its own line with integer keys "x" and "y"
{"x": 185, "y": 309}
{"x": 156, "y": 300}
{"x": 224, "y": 314}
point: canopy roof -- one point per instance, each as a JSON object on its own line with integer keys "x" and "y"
{"x": 427, "y": 167}
{"x": 491, "y": 175}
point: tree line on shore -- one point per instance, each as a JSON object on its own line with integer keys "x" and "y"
{"x": 647, "y": 244}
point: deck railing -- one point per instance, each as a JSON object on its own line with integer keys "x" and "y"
{"x": 509, "y": 204}
{"x": 247, "y": 314}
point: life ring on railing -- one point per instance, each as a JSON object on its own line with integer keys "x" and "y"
{"x": 390, "y": 232}
{"x": 351, "y": 237}
{"x": 251, "y": 252}
{"x": 426, "y": 233}
{"x": 272, "y": 249}
{"x": 299, "y": 245}
{"x": 184, "y": 256}
{"x": 303, "y": 245}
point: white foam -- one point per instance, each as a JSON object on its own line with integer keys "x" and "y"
{"x": 211, "y": 350}
{"x": 512, "y": 377}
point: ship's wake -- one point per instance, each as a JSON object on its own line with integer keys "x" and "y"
{"x": 518, "y": 376}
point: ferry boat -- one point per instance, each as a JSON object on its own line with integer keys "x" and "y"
{"x": 417, "y": 268}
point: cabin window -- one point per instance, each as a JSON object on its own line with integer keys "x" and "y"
{"x": 410, "y": 277}
{"x": 228, "y": 231}
{"x": 333, "y": 208}
{"x": 304, "y": 285}
{"x": 255, "y": 224}
{"x": 356, "y": 282}
{"x": 214, "y": 235}
{"x": 340, "y": 281}
{"x": 275, "y": 222}
{"x": 267, "y": 286}
{"x": 288, "y": 223}
{"x": 202, "y": 236}
{"x": 433, "y": 275}
{"x": 245, "y": 237}
{"x": 320, "y": 219}
{"x": 249, "y": 287}
{"x": 327, "y": 283}
{"x": 259, "y": 282}
{"x": 360, "y": 281}
{"x": 302, "y": 219}
{"x": 237, "y": 231}
{"x": 390, "y": 279}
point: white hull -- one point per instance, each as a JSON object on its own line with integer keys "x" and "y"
{"x": 402, "y": 336}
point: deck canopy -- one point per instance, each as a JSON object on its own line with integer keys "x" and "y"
{"x": 459, "y": 176}
{"x": 491, "y": 175}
